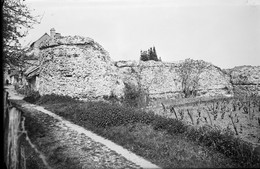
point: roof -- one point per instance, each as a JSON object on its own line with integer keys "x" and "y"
{"x": 39, "y": 39}
{"x": 32, "y": 71}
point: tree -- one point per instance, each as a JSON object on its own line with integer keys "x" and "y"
{"x": 150, "y": 54}
{"x": 144, "y": 56}
{"x": 153, "y": 54}
{"x": 17, "y": 20}
{"x": 189, "y": 72}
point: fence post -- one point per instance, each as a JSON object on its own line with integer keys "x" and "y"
{"x": 5, "y": 125}
{"x": 12, "y": 141}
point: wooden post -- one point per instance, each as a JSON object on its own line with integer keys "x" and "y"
{"x": 172, "y": 110}
{"x": 190, "y": 116}
{"x": 164, "y": 109}
{"x": 209, "y": 118}
{"x": 235, "y": 128}
{"x": 6, "y": 124}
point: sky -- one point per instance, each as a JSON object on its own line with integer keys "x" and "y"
{"x": 225, "y": 33}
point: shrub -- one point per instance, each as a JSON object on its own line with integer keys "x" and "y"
{"x": 106, "y": 115}
{"x": 101, "y": 116}
{"x": 24, "y": 90}
{"x": 226, "y": 143}
{"x": 53, "y": 98}
{"x": 134, "y": 96}
{"x": 112, "y": 98}
{"x": 32, "y": 97}
{"x": 172, "y": 126}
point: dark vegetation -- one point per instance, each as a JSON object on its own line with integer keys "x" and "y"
{"x": 32, "y": 96}
{"x": 17, "y": 20}
{"x": 166, "y": 142}
{"x": 150, "y": 54}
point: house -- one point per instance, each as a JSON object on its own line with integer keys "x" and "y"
{"x": 45, "y": 38}
{"x": 32, "y": 62}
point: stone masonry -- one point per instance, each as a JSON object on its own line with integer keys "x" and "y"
{"x": 79, "y": 67}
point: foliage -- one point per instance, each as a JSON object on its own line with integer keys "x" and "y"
{"x": 17, "y": 19}
{"x": 226, "y": 143}
{"x": 54, "y": 99}
{"x": 167, "y": 151}
{"x": 135, "y": 96}
{"x": 101, "y": 117}
{"x": 189, "y": 72}
{"x": 24, "y": 89}
{"x": 112, "y": 98}
{"x": 149, "y": 55}
{"x": 33, "y": 96}
{"x": 30, "y": 94}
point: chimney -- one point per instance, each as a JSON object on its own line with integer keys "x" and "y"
{"x": 52, "y": 33}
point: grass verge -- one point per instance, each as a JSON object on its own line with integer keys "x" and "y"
{"x": 165, "y": 142}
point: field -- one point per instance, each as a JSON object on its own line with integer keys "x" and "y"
{"x": 240, "y": 115}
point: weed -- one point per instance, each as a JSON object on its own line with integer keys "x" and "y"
{"x": 135, "y": 96}
{"x": 53, "y": 98}
{"x": 32, "y": 97}
{"x": 102, "y": 117}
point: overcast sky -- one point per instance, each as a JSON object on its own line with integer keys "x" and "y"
{"x": 225, "y": 33}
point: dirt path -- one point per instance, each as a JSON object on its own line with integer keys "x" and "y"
{"x": 68, "y": 146}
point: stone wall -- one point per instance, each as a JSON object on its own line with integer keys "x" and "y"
{"x": 78, "y": 67}
{"x": 245, "y": 79}
{"x": 162, "y": 80}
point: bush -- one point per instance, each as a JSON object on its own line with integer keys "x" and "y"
{"x": 106, "y": 115}
{"x": 102, "y": 116}
{"x": 226, "y": 143}
{"x": 172, "y": 126}
{"x": 135, "y": 97}
{"x": 24, "y": 90}
{"x": 53, "y": 98}
{"x": 112, "y": 98}
{"x": 32, "y": 97}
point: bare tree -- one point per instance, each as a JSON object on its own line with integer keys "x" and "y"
{"x": 189, "y": 72}
{"x": 17, "y": 20}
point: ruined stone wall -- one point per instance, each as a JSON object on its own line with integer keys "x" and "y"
{"x": 78, "y": 67}
{"x": 162, "y": 80}
{"x": 245, "y": 79}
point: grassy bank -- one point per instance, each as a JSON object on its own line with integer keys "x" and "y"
{"x": 166, "y": 142}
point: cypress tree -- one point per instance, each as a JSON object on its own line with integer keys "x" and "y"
{"x": 155, "y": 54}
{"x": 150, "y": 54}
{"x": 144, "y": 56}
